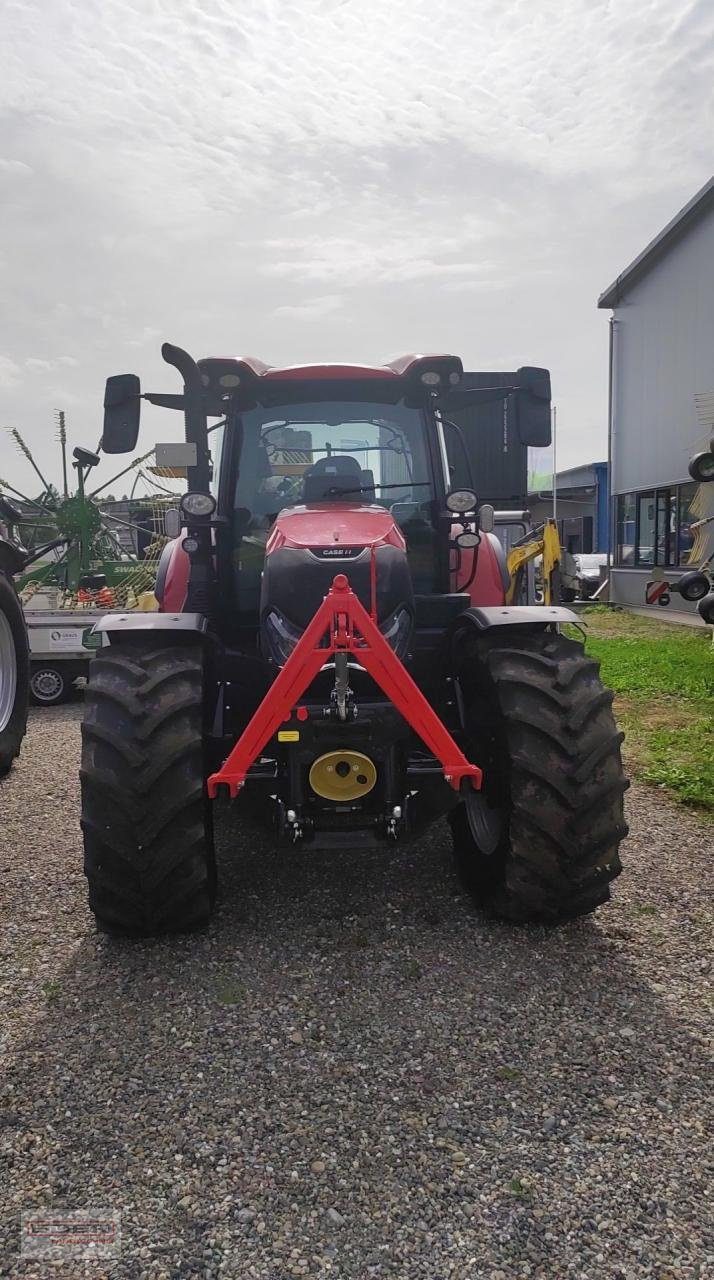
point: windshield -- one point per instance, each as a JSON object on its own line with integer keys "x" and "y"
{"x": 318, "y": 452}
{"x": 328, "y": 451}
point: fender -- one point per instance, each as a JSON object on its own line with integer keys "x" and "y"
{"x": 119, "y": 624}
{"x": 514, "y": 615}
{"x": 488, "y": 583}
{"x": 172, "y": 577}
{"x": 12, "y": 556}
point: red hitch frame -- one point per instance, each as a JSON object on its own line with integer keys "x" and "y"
{"x": 349, "y": 628}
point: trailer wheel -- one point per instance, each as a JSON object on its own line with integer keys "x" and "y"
{"x": 14, "y": 673}
{"x": 48, "y": 685}
{"x": 148, "y": 837}
{"x": 541, "y": 842}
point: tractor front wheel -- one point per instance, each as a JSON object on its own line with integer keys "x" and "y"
{"x": 148, "y": 848}
{"x": 540, "y": 843}
{"x": 14, "y": 673}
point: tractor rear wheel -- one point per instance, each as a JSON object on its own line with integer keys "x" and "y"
{"x": 541, "y": 842}
{"x": 14, "y": 673}
{"x": 148, "y": 846}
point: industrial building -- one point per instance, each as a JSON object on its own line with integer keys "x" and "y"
{"x": 661, "y": 380}
{"x": 581, "y": 495}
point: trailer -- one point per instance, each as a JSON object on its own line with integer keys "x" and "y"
{"x": 62, "y": 644}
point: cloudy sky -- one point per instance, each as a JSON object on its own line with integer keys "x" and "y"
{"x": 320, "y": 179}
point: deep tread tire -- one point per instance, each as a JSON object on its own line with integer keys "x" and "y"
{"x": 14, "y": 730}
{"x": 540, "y": 723}
{"x": 148, "y": 840}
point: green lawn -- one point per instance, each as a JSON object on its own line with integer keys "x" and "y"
{"x": 663, "y": 677}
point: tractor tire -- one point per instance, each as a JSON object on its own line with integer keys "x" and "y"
{"x": 148, "y": 837}
{"x": 541, "y": 842}
{"x": 14, "y": 673}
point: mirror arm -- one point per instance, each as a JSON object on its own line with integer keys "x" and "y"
{"x": 461, "y": 399}
{"x": 163, "y": 401}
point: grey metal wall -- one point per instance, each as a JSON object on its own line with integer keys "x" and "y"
{"x": 629, "y": 586}
{"x": 664, "y": 353}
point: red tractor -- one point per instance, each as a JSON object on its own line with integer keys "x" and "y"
{"x": 334, "y": 651}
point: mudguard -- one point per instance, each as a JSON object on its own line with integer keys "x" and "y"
{"x": 12, "y": 555}
{"x": 120, "y": 624}
{"x": 516, "y": 615}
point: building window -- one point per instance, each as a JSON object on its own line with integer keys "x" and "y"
{"x": 626, "y": 529}
{"x": 685, "y": 518}
{"x": 646, "y": 524}
{"x": 654, "y": 527}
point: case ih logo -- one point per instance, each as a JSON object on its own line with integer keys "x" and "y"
{"x": 338, "y": 553}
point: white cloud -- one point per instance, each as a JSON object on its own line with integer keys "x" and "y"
{"x": 9, "y": 372}
{"x": 36, "y": 365}
{"x": 311, "y": 308}
{"x": 17, "y": 167}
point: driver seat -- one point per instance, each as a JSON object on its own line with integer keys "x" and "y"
{"x": 339, "y": 472}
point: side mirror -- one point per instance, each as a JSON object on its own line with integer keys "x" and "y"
{"x": 486, "y": 517}
{"x": 172, "y": 523}
{"x": 122, "y": 408}
{"x": 533, "y": 407}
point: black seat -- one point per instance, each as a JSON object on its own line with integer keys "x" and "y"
{"x": 327, "y": 478}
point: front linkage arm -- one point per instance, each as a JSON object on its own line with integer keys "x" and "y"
{"x": 349, "y": 629}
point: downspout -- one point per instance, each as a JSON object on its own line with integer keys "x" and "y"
{"x": 611, "y": 522}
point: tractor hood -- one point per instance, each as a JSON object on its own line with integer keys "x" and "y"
{"x": 335, "y": 530}
{"x": 309, "y": 545}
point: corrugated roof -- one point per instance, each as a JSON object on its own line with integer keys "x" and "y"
{"x": 681, "y": 223}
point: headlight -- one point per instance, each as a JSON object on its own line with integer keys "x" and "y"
{"x": 397, "y": 632}
{"x": 280, "y": 637}
{"x": 198, "y": 504}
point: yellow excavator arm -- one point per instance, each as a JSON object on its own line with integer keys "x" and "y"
{"x": 546, "y": 543}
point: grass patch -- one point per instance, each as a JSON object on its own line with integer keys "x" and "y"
{"x": 663, "y": 677}
{"x": 517, "y": 1188}
{"x": 508, "y": 1073}
{"x": 230, "y": 991}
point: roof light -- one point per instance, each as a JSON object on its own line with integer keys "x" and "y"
{"x": 431, "y": 378}
{"x": 229, "y": 380}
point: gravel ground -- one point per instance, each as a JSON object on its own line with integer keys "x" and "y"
{"x": 353, "y": 1074}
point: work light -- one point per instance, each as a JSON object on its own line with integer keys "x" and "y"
{"x": 461, "y": 500}
{"x": 198, "y": 504}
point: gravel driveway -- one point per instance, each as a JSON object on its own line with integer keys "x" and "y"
{"x": 353, "y": 1074}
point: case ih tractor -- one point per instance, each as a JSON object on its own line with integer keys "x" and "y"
{"x": 334, "y": 650}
